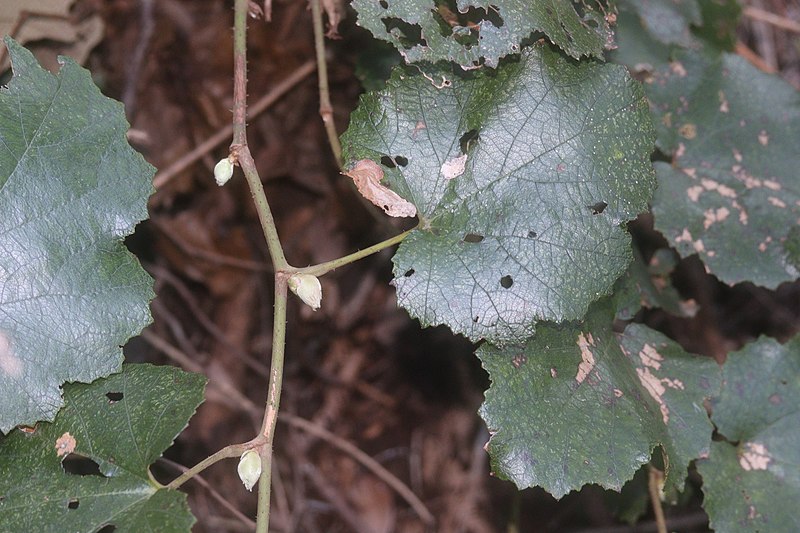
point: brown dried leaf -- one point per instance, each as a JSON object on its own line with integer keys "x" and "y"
{"x": 335, "y": 11}
{"x": 367, "y": 175}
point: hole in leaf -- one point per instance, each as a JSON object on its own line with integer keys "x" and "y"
{"x": 388, "y": 162}
{"x": 598, "y": 208}
{"x": 409, "y": 273}
{"x": 506, "y": 282}
{"x": 73, "y": 503}
{"x": 409, "y": 35}
{"x": 468, "y": 140}
{"x": 473, "y": 238}
{"x": 384, "y": 4}
{"x": 400, "y": 160}
{"x": 114, "y": 397}
{"x": 78, "y": 465}
{"x": 532, "y": 234}
{"x": 108, "y": 528}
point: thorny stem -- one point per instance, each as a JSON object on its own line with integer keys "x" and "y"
{"x": 325, "y": 107}
{"x": 273, "y": 400}
{"x": 240, "y": 152}
{"x": 262, "y": 208}
{"x": 324, "y": 268}
{"x": 240, "y": 73}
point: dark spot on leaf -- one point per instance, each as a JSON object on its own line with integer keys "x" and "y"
{"x": 388, "y": 162}
{"x": 473, "y": 238}
{"x": 468, "y": 140}
{"x": 506, "y": 282}
{"x": 476, "y": 318}
{"x": 598, "y": 208}
{"x": 400, "y": 160}
{"x": 78, "y": 465}
{"x": 114, "y": 397}
{"x": 73, "y": 503}
{"x": 384, "y": 4}
{"x": 532, "y": 234}
{"x": 409, "y": 273}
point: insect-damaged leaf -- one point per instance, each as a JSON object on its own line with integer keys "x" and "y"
{"x": 88, "y": 469}
{"x": 367, "y": 176}
{"x": 71, "y": 189}
{"x": 731, "y": 194}
{"x": 580, "y": 404}
{"x": 751, "y": 480}
{"x": 522, "y": 179}
{"x": 471, "y": 31}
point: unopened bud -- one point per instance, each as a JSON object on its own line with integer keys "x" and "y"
{"x": 249, "y": 468}
{"x": 307, "y": 287}
{"x": 223, "y": 171}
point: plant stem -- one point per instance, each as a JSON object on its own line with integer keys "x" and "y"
{"x": 234, "y": 450}
{"x": 262, "y": 208}
{"x": 325, "y": 107}
{"x": 324, "y": 268}
{"x": 654, "y": 479}
{"x": 273, "y": 400}
{"x": 240, "y": 73}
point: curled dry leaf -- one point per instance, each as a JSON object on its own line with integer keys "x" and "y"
{"x": 367, "y": 175}
{"x": 335, "y": 10}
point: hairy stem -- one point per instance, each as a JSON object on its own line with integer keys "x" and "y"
{"x": 325, "y": 107}
{"x": 324, "y": 268}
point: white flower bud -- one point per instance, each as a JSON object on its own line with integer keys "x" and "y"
{"x": 307, "y": 287}
{"x": 223, "y": 171}
{"x": 249, "y": 468}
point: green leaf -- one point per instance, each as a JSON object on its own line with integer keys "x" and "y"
{"x": 668, "y": 21}
{"x": 578, "y": 404}
{"x": 731, "y": 195}
{"x": 650, "y": 286}
{"x": 71, "y": 188}
{"x": 555, "y": 159}
{"x": 122, "y": 423}
{"x": 752, "y": 481}
{"x": 470, "y": 32}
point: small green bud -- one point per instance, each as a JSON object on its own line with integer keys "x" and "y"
{"x": 223, "y": 171}
{"x": 249, "y": 468}
{"x": 307, "y": 287}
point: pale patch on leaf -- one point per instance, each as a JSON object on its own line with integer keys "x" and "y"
{"x": 650, "y": 357}
{"x": 367, "y": 176}
{"x": 715, "y": 215}
{"x": 754, "y": 456}
{"x": 585, "y": 343}
{"x": 777, "y": 202}
{"x": 452, "y": 168}
{"x": 654, "y": 385}
{"x": 65, "y": 445}
{"x": 10, "y": 364}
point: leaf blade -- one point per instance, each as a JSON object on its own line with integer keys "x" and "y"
{"x": 71, "y": 189}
